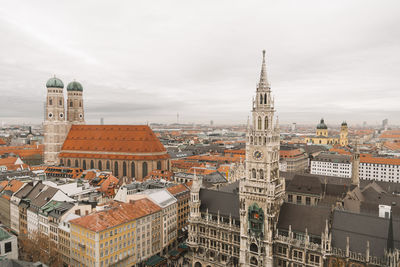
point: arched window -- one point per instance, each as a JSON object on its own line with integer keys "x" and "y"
{"x": 266, "y": 123}
{"x": 76, "y": 163}
{"x": 265, "y": 99}
{"x": 253, "y": 171}
{"x": 251, "y": 139}
{"x": 197, "y": 264}
{"x": 144, "y": 169}
{"x": 116, "y": 169}
{"x": 133, "y": 169}
{"x": 108, "y": 165}
{"x": 80, "y": 104}
{"x": 61, "y": 162}
{"x": 259, "y": 140}
{"x": 254, "y": 248}
{"x": 50, "y": 101}
{"x": 60, "y": 102}
{"x": 261, "y": 99}
{"x": 69, "y": 163}
{"x": 265, "y": 140}
{"x": 92, "y": 164}
{"x": 100, "y": 165}
{"x": 261, "y": 174}
{"x": 259, "y": 123}
{"x": 70, "y": 104}
{"x": 253, "y": 261}
{"x": 158, "y": 165}
{"x": 84, "y": 164}
{"x": 124, "y": 172}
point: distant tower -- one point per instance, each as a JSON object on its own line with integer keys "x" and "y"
{"x": 344, "y": 131}
{"x": 355, "y": 162}
{"x": 211, "y": 123}
{"x": 322, "y": 129}
{"x": 55, "y": 126}
{"x": 293, "y": 127}
{"x": 75, "y": 109}
{"x": 262, "y": 191}
{"x": 177, "y": 118}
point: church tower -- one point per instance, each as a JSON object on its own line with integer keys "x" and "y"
{"x": 75, "y": 110}
{"x": 355, "y": 165}
{"x": 344, "y": 131}
{"x": 262, "y": 191}
{"x": 55, "y": 126}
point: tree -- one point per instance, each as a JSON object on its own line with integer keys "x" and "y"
{"x": 39, "y": 247}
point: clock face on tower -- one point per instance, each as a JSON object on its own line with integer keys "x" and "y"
{"x": 257, "y": 154}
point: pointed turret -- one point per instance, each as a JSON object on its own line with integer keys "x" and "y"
{"x": 355, "y": 161}
{"x": 390, "y": 240}
{"x": 263, "y": 84}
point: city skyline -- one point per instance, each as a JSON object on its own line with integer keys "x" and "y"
{"x": 328, "y": 60}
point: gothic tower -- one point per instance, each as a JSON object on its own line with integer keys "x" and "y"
{"x": 55, "y": 126}
{"x": 344, "y": 131}
{"x": 195, "y": 214}
{"x": 262, "y": 191}
{"x": 75, "y": 110}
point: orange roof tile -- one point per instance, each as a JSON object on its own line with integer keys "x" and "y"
{"x": 2, "y": 142}
{"x": 392, "y": 145}
{"x": 176, "y": 189}
{"x": 13, "y": 185}
{"x": 118, "y": 213}
{"x": 375, "y": 160}
{"x": 112, "y": 138}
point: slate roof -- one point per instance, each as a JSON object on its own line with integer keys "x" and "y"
{"x": 373, "y": 229}
{"x": 335, "y": 158}
{"x": 305, "y": 184}
{"x": 24, "y": 191}
{"x": 43, "y": 197}
{"x": 224, "y": 202}
{"x": 301, "y": 217}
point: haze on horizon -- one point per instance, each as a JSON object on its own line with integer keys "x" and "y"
{"x": 146, "y": 61}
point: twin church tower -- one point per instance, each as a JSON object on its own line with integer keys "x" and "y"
{"x": 58, "y": 121}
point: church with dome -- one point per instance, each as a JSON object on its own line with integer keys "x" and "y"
{"x": 322, "y": 136}
{"x": 128, "y": 151}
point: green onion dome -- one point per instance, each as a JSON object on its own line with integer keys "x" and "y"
{"x": 74, "y": 86}
{"x": 54, "y": 83}
{"x": 322, "y": 125}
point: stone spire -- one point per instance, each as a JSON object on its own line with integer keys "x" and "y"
{"x": 390, "y": 241}
{"x": 263, "y": 84}
{"x": 355, "y": 160}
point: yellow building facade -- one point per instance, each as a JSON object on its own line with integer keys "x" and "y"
{"x": 322, "y": 136}
{"x": 114, "y": 237}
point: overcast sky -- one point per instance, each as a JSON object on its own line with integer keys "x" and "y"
{"x": 142, "y": 61}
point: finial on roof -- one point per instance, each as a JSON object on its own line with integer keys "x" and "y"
{"x": 263, "y": 55}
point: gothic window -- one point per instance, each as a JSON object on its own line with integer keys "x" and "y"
{"x": 266, "y": 123}
{"x": 61, "y": 162}
{"x": 70, "y": 104}
{"x": 100, "y": 165}
{"x": 76, "y": 163}
{"x": 92, "y": 164}
{"x": 84, "y": 164}
{"x": 261, "y": 174}
{"x": 158, "y": 165}
{"x": 259, "y": 140}
{"x": 80, "y": 104}
{"x": 259, "y": 123}
{"x": 253, "y": 261}
{"x": 60, "y": 102}
{"x": 116, "y": 169}
{"x": 253, "y": 171}
{"x": 265, "y": 140}
{"x": 251, "y": 139}
{"x": 69, "y": 163}
{"x": 133, "y": 169}
{"x": 265, "y": 99}
{"x": 261, "y": 99}
{"x": 124, "y": 173}
{"x": 144, "y": 169}
{"x": 50, "y": 101}
{"x": 254, "y": 248}
{"x": 108, "y": 165}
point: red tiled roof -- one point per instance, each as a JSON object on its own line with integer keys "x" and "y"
{"x": 392, "y": 145}
{"x": 112, "y": 138}
{"x": 176, "y": 189}
{"x": 387, "y": 161}
{"x": 119, "y": 213}
{"x": 2, "y": 142}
